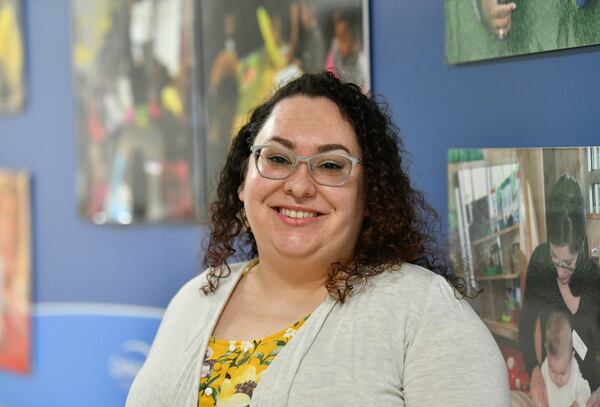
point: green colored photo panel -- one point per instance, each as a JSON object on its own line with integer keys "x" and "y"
{"x": 484, "y": 29}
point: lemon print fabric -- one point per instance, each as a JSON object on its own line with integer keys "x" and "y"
{"x": 232, "y": 369}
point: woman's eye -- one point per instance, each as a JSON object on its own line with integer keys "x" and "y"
{"x": 330, "y": 166}
{"x": 278, "y": 160}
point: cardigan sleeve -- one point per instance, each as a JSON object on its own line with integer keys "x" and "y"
{"x": 152, "y": 386}
{"x": 452, "y": 358}
{"x": 168, "y": 376}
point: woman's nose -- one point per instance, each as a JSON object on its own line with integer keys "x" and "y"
{"x": 300, "y": 183}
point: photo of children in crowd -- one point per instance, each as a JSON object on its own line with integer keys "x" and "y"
{"x": 483, "y": 29}
{"x": 136, "y": 115}
{"x": 15, "y": 272}
{"x": 524, "y": 225}
{"x": 12, "y": 58}
{"x": 252, "y": 46}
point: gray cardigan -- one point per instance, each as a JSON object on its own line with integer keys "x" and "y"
{"x": 404, "y": 340}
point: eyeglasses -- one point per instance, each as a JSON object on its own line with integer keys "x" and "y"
{"x": 563, "y": 265}
{"x": 328, "y": 169}
{"x": 568, "y": 264}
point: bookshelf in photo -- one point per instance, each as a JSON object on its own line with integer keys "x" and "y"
{"x": 487, "y": 204}
{"x": 593, "y": 164}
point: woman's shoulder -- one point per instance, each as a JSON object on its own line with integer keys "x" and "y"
{"x": 590, "y": 282}
{"x": 541, "y": 252}
{"x": 192, "y": 292}
{"x": 437, "y": 332}
{"x": 539, "y": 263}
{"x": 412, "y": 288}
{"x": 416, "y": 281}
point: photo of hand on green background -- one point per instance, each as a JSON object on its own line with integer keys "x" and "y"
{"x": 484, "y": 29}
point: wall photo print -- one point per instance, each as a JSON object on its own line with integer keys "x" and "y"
{"x": 252, "y": 46}
{"x": 524, "y": 225}
{"x": 136, "y": 126}
{"x": 12, "y": 58}
{"x": 484, "y": 29}
{"x": 15, "y": 272}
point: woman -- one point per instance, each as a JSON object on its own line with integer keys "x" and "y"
{"x": 314, "y": 190}
{"x": 562, "y": 276}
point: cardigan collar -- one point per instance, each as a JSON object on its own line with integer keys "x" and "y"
{"x": 276, "y": 381}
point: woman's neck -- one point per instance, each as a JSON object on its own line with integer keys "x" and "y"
{"x": 570, "y": 300}
{"x": 290, "y": 276}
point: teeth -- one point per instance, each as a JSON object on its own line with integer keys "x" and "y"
{"x": 297, "y": 214}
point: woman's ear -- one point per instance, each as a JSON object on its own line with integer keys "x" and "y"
{"x": 241, "y": 192}
{"x": 240, "y": 189}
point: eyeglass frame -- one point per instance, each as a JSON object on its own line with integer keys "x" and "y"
{"x": 563, "y": 265}
{"x": 255, "y": 150}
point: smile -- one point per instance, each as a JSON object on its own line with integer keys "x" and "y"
{"x": 297, "y": 214}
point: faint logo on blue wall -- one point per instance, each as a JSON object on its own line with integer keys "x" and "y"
{"x": 127, "y": 362}
{"x": 79, "y": 344}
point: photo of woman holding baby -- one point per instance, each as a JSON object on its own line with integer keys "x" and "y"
{"x": 562, "y": 279}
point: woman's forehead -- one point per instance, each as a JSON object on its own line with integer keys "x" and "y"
{"x": 562, "y": 252}
{"x": 303, "y": 121}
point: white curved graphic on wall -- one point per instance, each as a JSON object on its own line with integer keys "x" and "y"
{"x": 53, "y": 309}
{"x": 75, "y": 344}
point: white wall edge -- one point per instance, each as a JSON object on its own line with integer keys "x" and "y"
{"x": 56, "y": 309}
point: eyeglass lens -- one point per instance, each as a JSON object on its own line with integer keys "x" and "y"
{"x": 327, "y": 169}
{"x": 563, "y": 265}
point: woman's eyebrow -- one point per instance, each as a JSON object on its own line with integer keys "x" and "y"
{"x": 331, "y": 147}
{"x": 283, "y": 141}
{"x": 565, "y": 261}
{"x": 321, "y": 149}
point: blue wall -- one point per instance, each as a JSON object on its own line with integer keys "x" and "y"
{"x": 548, "y": 99}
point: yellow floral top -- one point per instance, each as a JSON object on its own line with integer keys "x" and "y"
{"x": 232, "y": 369}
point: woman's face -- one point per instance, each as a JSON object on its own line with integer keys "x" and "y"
{"x": 296, "y": 217}
{"x": 564, "y": 261}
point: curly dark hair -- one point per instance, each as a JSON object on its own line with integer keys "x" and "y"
{"x": 398, "y": 227}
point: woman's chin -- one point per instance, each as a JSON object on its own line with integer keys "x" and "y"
{"x": 564, "y": 281}
{"x": 295, "y": 252}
